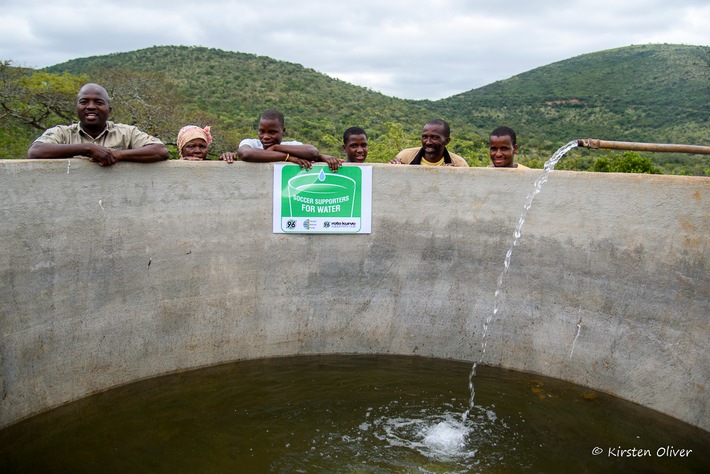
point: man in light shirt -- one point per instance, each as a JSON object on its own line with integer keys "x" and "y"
{"x": 435, "y": 136}
{"x": 96, "y": 137}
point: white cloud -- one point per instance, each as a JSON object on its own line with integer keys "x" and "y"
{"x": 409, "y": 49}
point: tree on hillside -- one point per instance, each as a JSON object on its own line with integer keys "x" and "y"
{"x": 144, "y": 99}
{"x": 32, "y": 101}
{"x": 386, "y": 146}
{"x": 626, "y": 162}
{"x": 36, "y": 99}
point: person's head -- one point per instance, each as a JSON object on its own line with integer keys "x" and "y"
{"x": 272, "y": 128}
{"x": 92, "y": 107}
{"x": 355, "y": 144}
{"x": 502, "y": 147}
{"x": 435, "y": 137}
{"x": 193, "y": 141}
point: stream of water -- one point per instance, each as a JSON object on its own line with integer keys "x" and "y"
{"x": 548, "y": 168}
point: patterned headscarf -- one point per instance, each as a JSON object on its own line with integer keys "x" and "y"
{"x": 190, "y": 132}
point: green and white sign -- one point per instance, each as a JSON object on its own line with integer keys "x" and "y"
{"x": 318, "y": 201}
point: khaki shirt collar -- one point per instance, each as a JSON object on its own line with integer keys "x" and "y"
{"x": 109, "y": 126}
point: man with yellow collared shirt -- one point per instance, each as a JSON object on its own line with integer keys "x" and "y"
{"x": 435, "y": 136}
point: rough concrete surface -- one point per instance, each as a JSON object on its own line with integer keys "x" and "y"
{"x": 111, "y": 275}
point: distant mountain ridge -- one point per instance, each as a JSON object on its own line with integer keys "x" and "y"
{"x": 655, "y": 93}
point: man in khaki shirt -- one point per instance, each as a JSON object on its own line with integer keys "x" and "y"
{"x": 433, "y": 152}
{"x": 96, "y": 137}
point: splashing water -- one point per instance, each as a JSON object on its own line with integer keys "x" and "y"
{"x": 547, "y": 169}
{"x": 445, "y": 436}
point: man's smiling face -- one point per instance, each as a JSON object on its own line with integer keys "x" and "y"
{"x": 92, "y": 107}
{"x": 502, "y": 151}
{"x": 434, "y": 140}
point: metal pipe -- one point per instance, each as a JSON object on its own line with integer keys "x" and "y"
{"x": 595, "y": 143}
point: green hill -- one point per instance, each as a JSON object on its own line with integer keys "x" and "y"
{"x": 653, "y": 93}
{"x": 650, "y": 93}
{"x": 237, "y": 87}
{"x": 637, "y": 93}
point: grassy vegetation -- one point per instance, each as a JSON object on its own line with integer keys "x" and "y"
{"x": 651, "y": 93}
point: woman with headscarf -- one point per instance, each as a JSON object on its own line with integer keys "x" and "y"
{"x": 193, "y": 142}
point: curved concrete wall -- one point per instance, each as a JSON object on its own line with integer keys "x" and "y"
{"x": 110, "y": 275}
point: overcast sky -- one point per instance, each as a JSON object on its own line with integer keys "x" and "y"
{"x": 404, "y": 48}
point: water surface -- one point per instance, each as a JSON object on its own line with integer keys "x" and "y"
{"x": 363, "y": 414}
